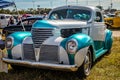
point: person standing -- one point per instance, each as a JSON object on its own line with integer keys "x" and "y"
{"x": 11, "y": 21}
{"x": 44, "y": 15}
{"x": 3, "y": 66}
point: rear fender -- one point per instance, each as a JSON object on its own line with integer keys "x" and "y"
{"x": 108, "y": 39}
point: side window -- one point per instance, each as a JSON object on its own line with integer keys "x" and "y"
{"x": 2, "y": 17}
{"x": 54, "y": 16}
{"x": 24, "y": 23}
{"x": 31, "y": 22}
{"x": 98, "y": 17}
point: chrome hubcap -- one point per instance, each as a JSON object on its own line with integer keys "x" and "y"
{"x": 87, "y": 64}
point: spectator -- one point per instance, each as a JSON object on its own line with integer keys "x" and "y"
{"x": 11, "y": 21}
{"x": 44, "y": 15}
{"x": 0, "y": 24}
{"x": 18, "y": 18}
{"x": 3, "y": 66}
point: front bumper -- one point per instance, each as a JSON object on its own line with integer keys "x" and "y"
{"x": 43, "y": 65}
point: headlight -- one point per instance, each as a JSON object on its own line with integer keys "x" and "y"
{"x": 9, "y": 42}
{"x": 72, "y": 46}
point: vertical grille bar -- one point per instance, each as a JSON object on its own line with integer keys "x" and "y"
{"x": 49, "y": 53}
{"x": 39, "y": 35}
{"x": 28, "y": 51}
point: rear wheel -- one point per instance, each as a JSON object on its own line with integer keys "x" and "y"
{"x": 84, "y": 70}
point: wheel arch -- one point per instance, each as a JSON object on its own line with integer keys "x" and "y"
{"x": 92, "y": 53}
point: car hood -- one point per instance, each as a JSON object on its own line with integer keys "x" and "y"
{"x": 59, "y": 24}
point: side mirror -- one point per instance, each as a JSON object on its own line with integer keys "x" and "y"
{"x": 2, "y": 44}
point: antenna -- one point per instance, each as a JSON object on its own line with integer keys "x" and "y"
{"x": 87, "y": 2}
{"x": 51, "y": 4}
{"x": 99, "y": 2}
{"x": 33, "y": 6}
{"x": 76, "y": 2}
{"x": 66, "y": 2}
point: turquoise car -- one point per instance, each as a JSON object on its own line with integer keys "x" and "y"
{"x": 72, "y": 38}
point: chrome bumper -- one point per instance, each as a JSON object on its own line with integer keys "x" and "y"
{"x": 61, "y": 67}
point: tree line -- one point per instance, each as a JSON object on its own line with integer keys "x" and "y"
{"x": 41, "y": 11}
{"x": 28, "y": 11}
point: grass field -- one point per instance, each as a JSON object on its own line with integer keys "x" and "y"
{"x": 106, "y": 68}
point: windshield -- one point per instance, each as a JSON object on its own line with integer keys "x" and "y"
{"x": 8, "y": 17}
{"x": 76, "y": 14}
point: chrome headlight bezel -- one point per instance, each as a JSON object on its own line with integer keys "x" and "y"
{"x": 72, "y": 46}
{"x": 9, "y": 42}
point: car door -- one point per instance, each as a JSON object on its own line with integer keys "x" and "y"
{"x": 3, "y": 21}
{"x": 98, "y": 31}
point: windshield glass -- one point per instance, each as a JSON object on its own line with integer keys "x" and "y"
{"x": 76, "y": 14}
{"x": 8, "y": 17}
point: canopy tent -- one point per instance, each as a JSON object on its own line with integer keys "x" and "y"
{"x": 4, "y": 4}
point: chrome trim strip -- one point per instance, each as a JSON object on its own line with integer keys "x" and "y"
{"x": 42, "y": 65}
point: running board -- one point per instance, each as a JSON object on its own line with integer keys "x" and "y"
{"x": 100, "y": 52}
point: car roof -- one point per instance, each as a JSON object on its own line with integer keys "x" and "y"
{"x": 5, "y": 15}
{"x": 29, "y": 18}
{"x": 76, "y": 6}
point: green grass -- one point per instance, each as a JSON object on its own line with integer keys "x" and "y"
{"x": 106, "y": 68}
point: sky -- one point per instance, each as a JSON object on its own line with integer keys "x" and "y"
{"x": 25, "y": 4}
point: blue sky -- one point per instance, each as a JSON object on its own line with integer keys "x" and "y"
{"x": 24, "y": 4}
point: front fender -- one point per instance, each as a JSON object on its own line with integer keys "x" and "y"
{"x": 18, "y": 37}
{"x": 84, "y": 41}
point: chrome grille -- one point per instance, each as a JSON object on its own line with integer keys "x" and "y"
{"x": 49, "y": 53}
{"x": 28, "y": 52}
{"x": 39, "y": 35}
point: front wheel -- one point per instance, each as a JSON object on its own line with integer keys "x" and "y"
{"x": 84, "y": 70}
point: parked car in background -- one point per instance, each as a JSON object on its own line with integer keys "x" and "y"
{"x": 113, "y": 22}
{"x": 4, "y": 18}
{"x": 24, "y": 16}
{"x": 71, "y": 39}
{"x": 27, "y": 24}
{"x": 111, "y": 15}
{"x": 105, "y": 16}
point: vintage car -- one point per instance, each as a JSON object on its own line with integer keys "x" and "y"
{"x": 71, "y": 39}
{"x": 113, "y": 22}
{"x": 21, "y": 25}
{"x": 4, "y": 18}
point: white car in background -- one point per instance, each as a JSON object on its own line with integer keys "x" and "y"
{"x": 4, "y": 18}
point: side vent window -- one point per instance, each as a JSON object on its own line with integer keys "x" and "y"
{"x": 98, "y": 17}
